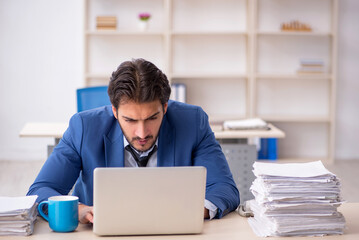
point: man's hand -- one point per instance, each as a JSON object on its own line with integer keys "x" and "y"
{"x": 206, "y": 213}
{"x": 85, "y": 214}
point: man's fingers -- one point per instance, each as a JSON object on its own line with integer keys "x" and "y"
{"x": 86, "y": 214}
{"x": 89, "y": 216}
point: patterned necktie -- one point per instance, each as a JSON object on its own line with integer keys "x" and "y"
{"x": 141, "y": 161}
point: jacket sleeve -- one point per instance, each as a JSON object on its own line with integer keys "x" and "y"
{"x": 221, "y": 190}
{"x": 62, "y": 168}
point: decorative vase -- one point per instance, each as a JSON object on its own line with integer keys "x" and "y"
{"x": 143, "y": 25}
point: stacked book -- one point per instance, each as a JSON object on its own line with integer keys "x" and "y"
{"x": 17, "y": 215}
{"x": 106, "y": 23}
{"x": 178, "y": 92}
{"x": 295, "y": 199}
{"x": 309, "y": 66}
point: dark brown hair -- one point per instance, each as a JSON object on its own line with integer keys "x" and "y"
{"x": 140, "y": 81}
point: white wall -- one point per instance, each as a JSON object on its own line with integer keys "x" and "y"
{"x": 347, "y": 128}
{"x": 41, "y": 66}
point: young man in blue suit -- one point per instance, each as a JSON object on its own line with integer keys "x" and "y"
{"x": 141, "y": 128}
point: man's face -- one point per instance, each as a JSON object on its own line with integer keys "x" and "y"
{"x": 140, "y": 122}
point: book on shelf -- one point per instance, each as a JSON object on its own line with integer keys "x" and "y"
{"x": 101, "y": 24}
{"x": 106, "y": 18}
{"x": 311, "y": 69}
{"x": 106, "y": 22}
{"x": 106, "y": 28}
{"x": 311, "y": 66}
{"x": 311, "y": 62}
{"x": 178, "y": 92}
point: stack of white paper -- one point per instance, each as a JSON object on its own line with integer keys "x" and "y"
{"x": 295, "y": 199}
{"x": 244, "y": 124}
{"x": 17, "y": 215}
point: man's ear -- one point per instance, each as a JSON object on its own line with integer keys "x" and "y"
{"x": 165, "y": 108}
{"x": 114, "y": 111}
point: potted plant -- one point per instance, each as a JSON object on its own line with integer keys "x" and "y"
{"x": 144, "y": 18}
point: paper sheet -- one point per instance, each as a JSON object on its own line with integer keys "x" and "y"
{"x": 8, "y": 204}
{"x": 251, "y": 123}
{"x": 295, "y": 199}
{"x": 310, "y": 169}
{"x": 17, "y": 215}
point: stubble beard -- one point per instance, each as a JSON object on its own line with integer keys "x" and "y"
{"x": 149, "y": 138}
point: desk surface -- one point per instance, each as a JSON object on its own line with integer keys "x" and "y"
{"x": 43, "y": 129}
{"x": 230, "y": 227}
{"x": 56, "y": 130}
{"x": 273, "y": 132}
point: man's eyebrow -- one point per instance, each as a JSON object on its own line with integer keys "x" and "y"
{"x": 131, "y": 119}
{"x": 128, "y": 118}
{"x": 152, "y": 116}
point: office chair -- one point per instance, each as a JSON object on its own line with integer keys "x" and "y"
{"x": 92, "y": 97}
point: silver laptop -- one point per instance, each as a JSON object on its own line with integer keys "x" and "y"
{"x": 148, "y": 201}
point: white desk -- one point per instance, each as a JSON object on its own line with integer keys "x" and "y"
{"x": 231, "y": 227}
{"x": 44, "y": 129}
{"x": 56, "y": 130}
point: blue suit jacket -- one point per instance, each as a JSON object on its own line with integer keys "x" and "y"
{"x": 95, "y": 139}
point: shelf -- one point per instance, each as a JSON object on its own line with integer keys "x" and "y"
{"x": 208, "y": 76}
{"x": 123, "y": 33}
{"x": 319, "y": 76}
{"x": 214, "y": 54}
{"x": 208, "y": 15}
{"x": 182, "y": 76}
{"x": 294, "y": 33}
{"x": 316, "y": 13}
{"x": 283, "y": 54}
{"x": 295, "y": 119}
{"x": 204, "y": 33}
{"x": 233, "y": 58}
{"x": 224, "y": 101}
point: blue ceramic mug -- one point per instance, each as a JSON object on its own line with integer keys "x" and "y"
{"x": 62, "y": 213}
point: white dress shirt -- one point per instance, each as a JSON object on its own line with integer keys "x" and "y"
{"x": 152, "y": 162}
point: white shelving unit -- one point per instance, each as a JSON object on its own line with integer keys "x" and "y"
{"x": 233, "y": 58}
{"x": 105, "y": 49}
{"x": 301, "y": 105}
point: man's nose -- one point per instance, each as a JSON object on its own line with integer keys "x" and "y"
{"x": 141, "y": 130}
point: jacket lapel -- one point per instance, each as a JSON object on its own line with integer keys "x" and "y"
{"x": 166, "y": 145}
{"x": 114, "y": 155}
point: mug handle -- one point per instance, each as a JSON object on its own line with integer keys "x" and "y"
{"x": 39, "y": 208}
